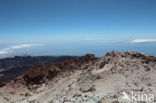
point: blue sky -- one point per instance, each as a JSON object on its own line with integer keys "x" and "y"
{"x": 44, "y": 21}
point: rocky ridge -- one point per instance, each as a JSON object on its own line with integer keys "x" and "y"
{"x": 86, "y": 80}
{"x": 13, "y": 67}
{"x": 41, "y": 74}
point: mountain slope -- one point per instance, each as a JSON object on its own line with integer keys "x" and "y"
{"x": 13, "y": 67}
{"x": 104, "y": 80}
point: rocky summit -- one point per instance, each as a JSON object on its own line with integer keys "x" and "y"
{"x": 117, "y": 77}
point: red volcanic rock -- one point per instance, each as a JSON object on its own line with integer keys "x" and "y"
{"x": 37, "y": 74}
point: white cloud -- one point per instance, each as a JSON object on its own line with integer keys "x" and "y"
{"x": 24, "y": 46}
{"x": 3, "y": 52}
{"x": 143, "y": 40}
{"x": 12, "y": 48}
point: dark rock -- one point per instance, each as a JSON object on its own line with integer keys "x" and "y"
{"x": 2, "y": 84}
{"x": 37, "y": 74}
{"x": 147, "y": 69}
{"x": 13, "y": 67}
{"x": 153, "y": 59}
{"x": 102, "y": 64}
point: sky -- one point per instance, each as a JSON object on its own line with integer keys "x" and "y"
{"x": 29, "y": 22}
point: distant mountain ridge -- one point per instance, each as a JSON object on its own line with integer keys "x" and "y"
{"x": 12, "y": 67}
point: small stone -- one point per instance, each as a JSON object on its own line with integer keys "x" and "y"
{"x": 147, "y": 69}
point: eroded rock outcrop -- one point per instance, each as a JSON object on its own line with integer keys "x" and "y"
{"x": 38, "y": 74}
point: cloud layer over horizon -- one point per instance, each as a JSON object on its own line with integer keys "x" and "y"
{"x": 13, "y": 48}
{"x": 143, "y": 40}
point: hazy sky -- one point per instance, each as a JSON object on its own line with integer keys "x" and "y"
{"x": 85, "y": 25}
{"x": 42, "y": 20}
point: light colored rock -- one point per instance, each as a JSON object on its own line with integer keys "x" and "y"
{"x": 122, "y": 72}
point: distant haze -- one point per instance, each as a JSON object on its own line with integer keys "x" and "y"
{"x": 81, "y": 48}
{"x": 76, "y": 27}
